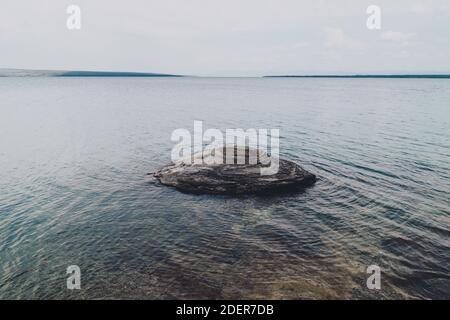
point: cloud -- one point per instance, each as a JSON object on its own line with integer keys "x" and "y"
{"x": 301, "y": 44}
{"x": 336, "y": 38}
{"x": 420, "y": 8}
{"x": 398, "y": 37}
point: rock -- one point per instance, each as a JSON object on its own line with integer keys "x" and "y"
{"x": 234, "y": 178}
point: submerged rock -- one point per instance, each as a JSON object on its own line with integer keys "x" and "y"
{"x": 241, "y": 177}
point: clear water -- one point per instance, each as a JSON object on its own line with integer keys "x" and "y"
{"x": 74, "y": 153}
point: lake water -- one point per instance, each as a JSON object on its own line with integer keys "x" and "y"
{"x": 74, "y": 153}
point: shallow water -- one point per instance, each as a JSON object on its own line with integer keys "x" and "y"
{"x": 74, "y": 153}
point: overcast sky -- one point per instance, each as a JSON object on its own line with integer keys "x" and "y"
{"x": 228, "y": 37}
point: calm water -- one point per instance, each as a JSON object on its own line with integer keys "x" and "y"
{"x": 74, "y": 153}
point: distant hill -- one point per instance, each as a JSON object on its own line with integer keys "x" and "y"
{"x": 388, "y": 76}
{"x": 56, "y": 73}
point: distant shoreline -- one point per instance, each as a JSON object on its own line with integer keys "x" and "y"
{"x": 114, "y": 74}
{"x": 57, "y": 73}
{"x": 383, "y": 76}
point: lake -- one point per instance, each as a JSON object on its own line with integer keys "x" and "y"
{"x": 74, "y": 154}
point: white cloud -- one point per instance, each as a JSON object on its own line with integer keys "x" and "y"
{"x": 336, "y": 38}
{"x": 398, "y": 37}
{"x": 420, "y": 8}
{"x": 301, "y": 45}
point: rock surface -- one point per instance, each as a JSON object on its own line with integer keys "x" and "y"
{"x": 233, "y": 178}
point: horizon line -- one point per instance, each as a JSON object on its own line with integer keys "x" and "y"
{"x": 15, "y": 72}
{"x": 399, "y": 75}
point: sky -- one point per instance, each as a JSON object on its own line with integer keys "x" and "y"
{"x": 228, "y": 37}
